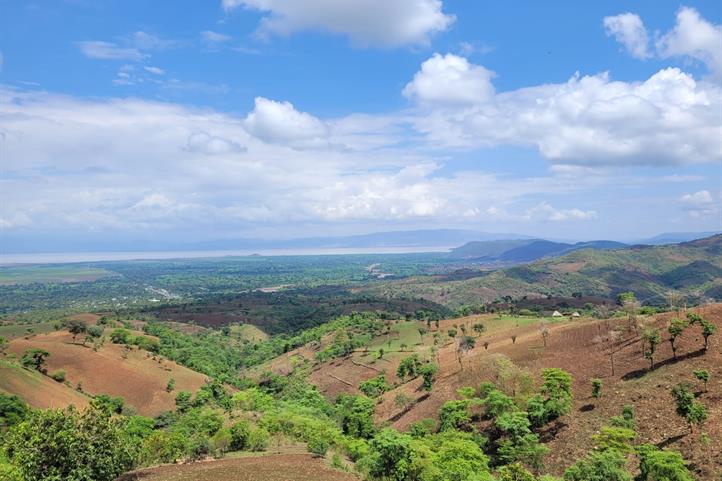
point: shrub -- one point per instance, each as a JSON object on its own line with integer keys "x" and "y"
{"x": 428, "y": 372}
{"x": 199, "y": 447}
{"x": 599, "y": 466}
{"x": 54, "y": 444}
{"x": 318, "y": 445}
{"x": 120, "y": 336}
{"x": 258, "y": 440}
{"x": 240, "y": 432}
{"x": 454, "y": 415}
{"x": 13, "y": 410}
{"x": 221, "y": 441}
{"x": 655, "y": 464}
{"x": 375, "y": 386}
{"x": 596, "y": 388}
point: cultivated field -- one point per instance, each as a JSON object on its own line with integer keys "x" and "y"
{"x": 285, "y": 467}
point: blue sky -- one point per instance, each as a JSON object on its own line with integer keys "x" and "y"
{"x": 280, "y": 118}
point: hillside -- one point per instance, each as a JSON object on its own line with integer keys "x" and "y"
{"x": 580, "y": 347}
{"x": 138, "y": 376}
{"x": 524, "y": 250}
{"x": 692, "y": 268}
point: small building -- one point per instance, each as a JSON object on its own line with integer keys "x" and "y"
{"x": 576, "y": 314}
{"x": 557, "y": 314}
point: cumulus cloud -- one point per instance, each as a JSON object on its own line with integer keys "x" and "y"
{"x": 366, "y": 23}
{"x": 628, "y": 29}
{"x": 450, "y": 79}
{"x": 201, "y": 168}
{"x": 699, "y": 204}
{"x": 589, "y": 120}
{"x": 280, "y": 123}
{"x": 98, "y": 49}
{"x": 204, "y": 143}
{"x": 541, "y": 212}
{"x": 695, "y": 37}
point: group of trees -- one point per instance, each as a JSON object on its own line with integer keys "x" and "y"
{"x": 652, "y": 336}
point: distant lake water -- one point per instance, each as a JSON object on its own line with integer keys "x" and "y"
{"x": 69, "y": 257}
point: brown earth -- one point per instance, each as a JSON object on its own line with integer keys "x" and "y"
{"x": 579, "y": 347}
{"x": 284, "y": 467}
{"x": 37, "y": 390}
{"x": 136, "y": 375}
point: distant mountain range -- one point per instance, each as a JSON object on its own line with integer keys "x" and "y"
{"x": 693, "y": 269}
{"x": 527, "y": 250}
{"x": 436, "y": 238}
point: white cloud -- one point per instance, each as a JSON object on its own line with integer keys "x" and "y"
{"x": 202, "y": 142}
{"x": 154, "y": 70}
{"x": 201, "y": 169}
{"x": 366, "y": 23}
{"x": 98, "y": 49}
{"x": 146, "y": 41}
{"x": 590, "y": 120}
{"x": 450, "y": 79}
{"x": 699, "y": 204}
{"x": 211, "y": 37}
{"x": 542, "y": 212}
{"x": 628, "y": 29}
{"x": 694, "y": 37}
{"x": 280, "y": 123}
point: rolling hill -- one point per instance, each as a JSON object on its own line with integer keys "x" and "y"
{"x": 651, "y": 272}
{"x": 524, "y": 250}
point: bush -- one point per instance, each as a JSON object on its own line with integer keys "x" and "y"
{"x": 599, "y": 466}
{"x": 199, "y": 448}
{"x": 375, "y": 386}
{"x": 240, "y": 432}
{"x": 58, "y": 375}
{"x": 55, "y": 445}
{"x": 318, "y": 445}
{"x": 221, "y": 441}
{"x": 258, "y": 440}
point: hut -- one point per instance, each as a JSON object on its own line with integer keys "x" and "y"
{"x": 557, "y": 314}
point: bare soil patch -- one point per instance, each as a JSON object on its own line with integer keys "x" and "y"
{"x": 288, "y": 467}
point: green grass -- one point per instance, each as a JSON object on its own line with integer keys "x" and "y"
{"x": 249, "y": 332}
{"x": 404, "y": 332}
{"x": 19, "y": 330}
{"x": 41, "y": 273}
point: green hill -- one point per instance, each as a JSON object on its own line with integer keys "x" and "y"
{"x": 694, "y": 269}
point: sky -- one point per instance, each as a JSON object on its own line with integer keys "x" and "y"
{"x": 198, "y": 120}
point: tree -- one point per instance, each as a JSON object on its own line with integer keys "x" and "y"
{"x": 94, "y": 332}
{"x": 478, "y": 328}
{"x": 513, "y": 339}
{"x": 451, "y": 333}
{"x": 374, "y": 386}
{"x": 676, "y": 328}
{"x": 240, "y": 432}
{"x": 692, "y": 411}
{"x": 35, "y": 359}
{"x": 76, "y": 327}
{"x": 381, "y": 353}
{"x": 356, "y": 413}
{"x": 12, "y": 410}
{"x": 596, "y": 388}
{"x": 428, "y": 372}
{"x": 608, "y": 465}
{"x": 422, "y": 333}
{"x": 465, "y": 344}
{"x": 170, "y": 386}
{"x": 409, "y": 367}
{"x": 454, "y": 415}
{"x": 652, "y": 338}
{"x": 397, "y": 457}
{"x": 697, "y": 415}
{"x": 545, "y": 335}
{"x": 707, "y": 330}
{"x": 702, "y": 375}
{"x": 557, "y": 388}
{"x": 655, "y": 464}
{"x": 54, "y": 445}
